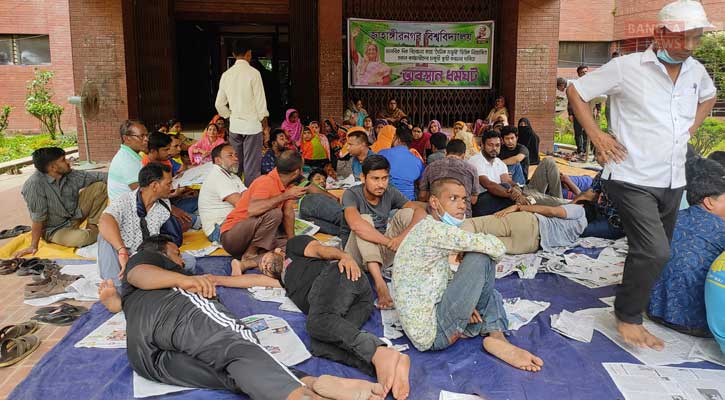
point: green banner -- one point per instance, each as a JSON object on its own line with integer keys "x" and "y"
{"x": 419, "y": 55}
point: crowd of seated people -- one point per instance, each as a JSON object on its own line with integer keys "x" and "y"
{"x": 420, "y": 196}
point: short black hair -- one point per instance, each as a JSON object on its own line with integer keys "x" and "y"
{"x": 705, "y": 178}
{"x": 160, "y": 125}
{"x": 126, "y": 126}
{"x": 491, "y": 134}
{"x": 273, "y": 136}
{"x": 152, "y": 172}
{"x": 560, "y": 81}
{"x": 509, "y": 129}
{"x": 172, "y": 122}
{"x": 43, "y": 156}
{"x": 360, "y": 135}
{"x": 239, "y": 48}
{"x": 581, "y": 67}
{"x": 289, "y": 161}
{"x": 718, "y": 156}
{"x": 317, "y": 171}
{"x": 439, "y": 140}
{"x": 437, "y": 186}
{"x": 158, "y": 140}
{"x": 615, "y": 54}
{"x": 456, "y": 147}
{"x": 156, "y": 244}
{"x": 404, "y": 134}
{"x": 590, "y": 210}
{"x": 374, "y": 163}
{"x": 217, "y": 151}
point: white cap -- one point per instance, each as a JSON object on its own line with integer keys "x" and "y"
{"x": 683, "y": 15}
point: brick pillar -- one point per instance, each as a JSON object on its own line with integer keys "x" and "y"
{"x": 97, "y": 42}
{"x": 330, "y": 58}
{"x": 537, "y": 52}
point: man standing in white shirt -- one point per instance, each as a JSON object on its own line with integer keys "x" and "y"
{"x": 220, "y": 192}
{"x": 658, "y": 99}
{"x": 241, "y": 99}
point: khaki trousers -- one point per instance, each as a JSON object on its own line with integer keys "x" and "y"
{"x": 519, "y": 231}
{"x": 364, "y": 252}
{"x": 92, "y": 201}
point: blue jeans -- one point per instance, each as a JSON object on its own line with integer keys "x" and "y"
{"x": 323, "y": 211}
{"x": 216, "y": 235}
{"x": 517, "y": 173}
{"x": 600, "y": 228}
{"x": 471, "y": 287}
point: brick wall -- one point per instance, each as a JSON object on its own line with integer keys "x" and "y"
{"x": 330, "y": 58}
{"x": 98, "y": 54}
{"x": 46, "y": 17}
{"x": 587, "y": 20}
{"x": 537, "y": 52}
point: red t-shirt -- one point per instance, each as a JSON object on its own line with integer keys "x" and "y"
{"x": 264, "y": 187}
{"x": 145, "y": 161}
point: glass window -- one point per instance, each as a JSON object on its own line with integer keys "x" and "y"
{"x": 574, "y": 54}
{"x": 570, "y": 54}
{"x": 596, "y": 54}
{"x": 32, "y": 49}
{"x": 6, "y": 49}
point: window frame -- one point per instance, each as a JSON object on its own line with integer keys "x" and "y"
{"x": 15, "y": 49}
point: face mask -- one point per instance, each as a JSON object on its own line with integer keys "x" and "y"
{"x": 451, "y": 220}
{"x": 663, "y": 55}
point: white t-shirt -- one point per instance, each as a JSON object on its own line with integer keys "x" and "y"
{"x": 650, "y": 116}
{"x": 218, "y": 185}
{"x": 123, "y": 210}
{"x": 492, "y": 170}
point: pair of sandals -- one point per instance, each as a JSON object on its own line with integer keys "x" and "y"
{"x": 18, "y": 230}
{"x": 26, "y": 266}
{"x": 18, "y": 342}
{"x": 63, "y": 314}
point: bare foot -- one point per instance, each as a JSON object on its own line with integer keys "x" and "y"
{"x": 637, "y": 335}
{"x": 401, "y": 386}
{"x": 109, "y": 297}
{"x": 385, "y": 361}
{"x": 497, "y": 345}
{"x": 347, "y": 389}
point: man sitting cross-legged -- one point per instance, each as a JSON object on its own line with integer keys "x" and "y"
{"x": 366, "y": 233}
{"x": 177, "y": 336}
{"x": 437, "y": 307}
{"x": 326, "y": 284}
{"x": 268, "y": 204}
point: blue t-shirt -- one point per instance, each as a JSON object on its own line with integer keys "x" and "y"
{"x": 715, "y": 300}
{"x": 357, "y": 165}
{"x": 583, "y": 182}
{"x": 678, "y": 295}
{"x": 405, "y": 169}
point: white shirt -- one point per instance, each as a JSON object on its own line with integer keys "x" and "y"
{"x": 492, "y": 170}
{"x": 650, "y": 116}
{"x": 218, "y": 185}
{"x": 241, "y": 97}
{"x": 123, "y": 210}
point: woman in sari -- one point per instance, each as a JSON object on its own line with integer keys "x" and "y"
{"x": 435, "y": 127}
{"x": 392, "y": 113}
{"x": 529, "y": 139}
{"x": 460, "y": 131}
{"x": 355, "y": 115}
{"x": 479, "y": 128}
{"x": 498, "y": 110}
{"x": 421, "y": 141}
{"x": 292, "y": 126}
{"x": 368, "y": 70}
{"x": 369, "y": 129}
{"x": 315, "y": 147}
{"x": 200, "y": 152}
{"x": 221, "y": 126}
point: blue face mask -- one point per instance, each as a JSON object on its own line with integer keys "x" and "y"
{"x": 451, "y": 220}
{"x": 663, "y": 55}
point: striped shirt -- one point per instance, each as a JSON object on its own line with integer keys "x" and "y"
{"x": 55, "y": 202}
{"x": 123, "y": 171}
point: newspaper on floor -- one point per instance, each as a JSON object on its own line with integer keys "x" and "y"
{"x": 83, "y": 289}
{"x": 520, "y": 311}
{"x": 679, "y": 347}
{"x": 587, "y": 271}
{"x": 90, "y": 251}
{"x": 577, "y": 327}
{"x": 346, "y": 183}
{"x": 446, "y": 395}
{"x": 392, "y": 327}
{"x": 192, "y": 176}
{"x": 143, "y": 387}
{"x": 303, "y": 227}
{"x": 205, "y": 251}
{"x": 110, "y": 335}
{"x": 278, "y": 338}
{"x": 524, "y": 265}
{"x": 275, "y": 295}
{"x": 642, "y": 382}
{"x": 608, "y": 300}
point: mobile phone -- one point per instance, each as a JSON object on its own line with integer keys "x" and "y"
{"x": 304, "y": 183}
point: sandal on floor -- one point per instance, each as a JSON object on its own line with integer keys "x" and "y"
{"x": 31, "y": 266}
{"x": 15, "y": 350}
{"x": 18, "y": 230}
{"x": 60, "y": 319}
{"x": 64, "y": 308}
{"x": 45, "y": 288}
{"x": 19, "y": 330}
{"x": 8, "y": 267}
